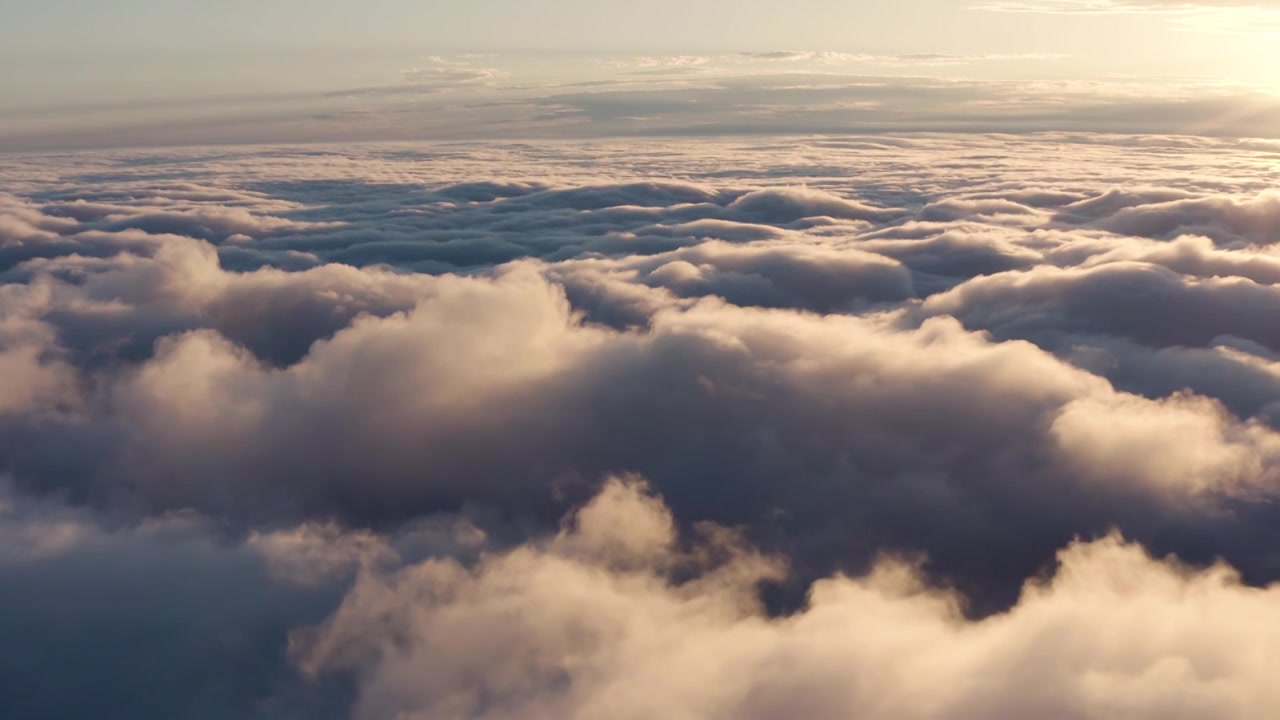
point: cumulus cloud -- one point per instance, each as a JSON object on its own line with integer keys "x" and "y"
{"x": 160, "y": 618}
{"x": 547, "y": 631}
{"x": 833, "y": 426}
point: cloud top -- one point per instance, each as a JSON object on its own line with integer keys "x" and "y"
{"x": 887, "y": 426}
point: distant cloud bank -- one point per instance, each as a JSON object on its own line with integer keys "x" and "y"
{"x": 779, "y": 92}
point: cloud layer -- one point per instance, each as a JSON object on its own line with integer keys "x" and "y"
{"x": 592, "y": 624}
{"x": 901, "y": 426}
{"x": 771, "y": 92}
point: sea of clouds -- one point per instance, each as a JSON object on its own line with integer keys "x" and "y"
{"x": 901, "y": 427}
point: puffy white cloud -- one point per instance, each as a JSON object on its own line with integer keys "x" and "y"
{"x": 543, "y": 631}
{"x": 243, "y": 391}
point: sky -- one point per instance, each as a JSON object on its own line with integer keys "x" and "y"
{"x": 89, "y": 74}
{"x": 1090, "y": 28}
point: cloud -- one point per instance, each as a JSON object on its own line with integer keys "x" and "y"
{"x": 1228, "y": 221}
{"x": 457, "y": 429}
{"x": 661, "y": 64}
{"x": 784, "y": 93}
{"x": 447, "y": 76}
{"x": 829, "y": 57}
{"x": 1228, "y": 16}
{"x": 162, "y": 618}
{"x": 438, "y": 75}
{"x": 546, "y": 631}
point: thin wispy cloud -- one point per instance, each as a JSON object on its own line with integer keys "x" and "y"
{"x": 1222, "y": 16}
{"x": 778, "y": 97}
{"x": 910, "y": 59}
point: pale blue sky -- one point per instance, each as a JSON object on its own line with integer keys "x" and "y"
{"x": 87, "y": 63}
